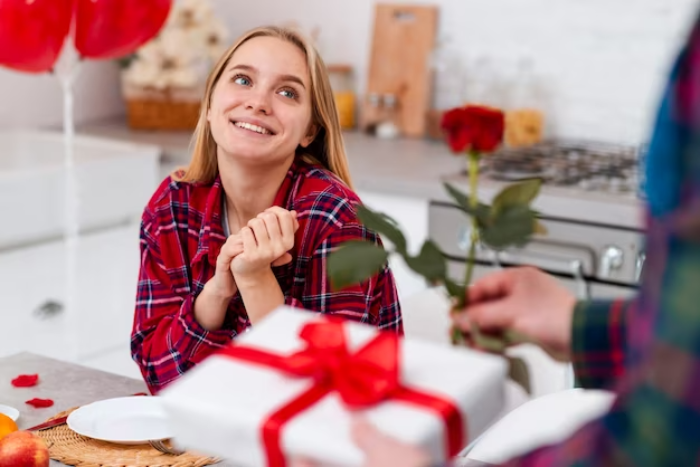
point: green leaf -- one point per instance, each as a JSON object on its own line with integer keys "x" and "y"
{"x": 482, "y": 212}
{"x": 513, "y": 226}
{"x": 354, "y": 262}
{"x": 460, "y": 198}
{"x": 430, "y": 262}
{"x": 517, "y": 194}
{"x": 455, "y": 291}
{"x": 489, "y": 342}
{"x": 457, "y": 338}
{"x": 384, "y": 225}
{"x": 518, "y": 371}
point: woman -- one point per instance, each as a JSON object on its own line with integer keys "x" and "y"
{"x": 250, "y": 223}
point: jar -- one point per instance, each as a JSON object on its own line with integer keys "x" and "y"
{"x": 387, "y": 128}
{"x": 525, "y": 118}
{"x": 342, "y": 83}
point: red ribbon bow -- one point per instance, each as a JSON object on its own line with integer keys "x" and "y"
{"x": 362, "y": 379}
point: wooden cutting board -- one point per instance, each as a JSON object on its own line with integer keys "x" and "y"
{"x": 403, "y": 40}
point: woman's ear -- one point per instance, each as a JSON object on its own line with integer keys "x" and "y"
{"x": 310, "y": 136}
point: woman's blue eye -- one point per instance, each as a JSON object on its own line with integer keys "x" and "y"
{"x": 242, "y": 80}
{"x": 289, "y": 93}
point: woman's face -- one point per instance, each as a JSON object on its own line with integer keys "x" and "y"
{"x": 261, "y": 106}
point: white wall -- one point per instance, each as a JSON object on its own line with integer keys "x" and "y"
{"x": 31, "y": 100}
{"x": 602, "y": 61}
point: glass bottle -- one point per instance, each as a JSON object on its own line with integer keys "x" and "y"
{"x": 525, "y": 118}
{"x": 388, "y": 127}
{"x": 342, "y": 83}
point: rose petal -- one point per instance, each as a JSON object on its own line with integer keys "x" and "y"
{"x": 459, "y": 140}
{"x": 40, "y": 403}
{"x": 473, "y": 128}
{"x": 25, "y": 381}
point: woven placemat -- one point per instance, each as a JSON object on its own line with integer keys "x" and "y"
{"x": 66, "y": 446}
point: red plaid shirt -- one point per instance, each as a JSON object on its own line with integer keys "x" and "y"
{"x": 181, "y": 236}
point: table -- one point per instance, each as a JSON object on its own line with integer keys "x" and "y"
{"x": 71, "y": 385}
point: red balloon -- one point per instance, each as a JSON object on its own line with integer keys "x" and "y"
{"x": 32, "y": 33}
{"x": 114, "y": 28}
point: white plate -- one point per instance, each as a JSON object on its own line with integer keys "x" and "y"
{"x": 124, "y": 420}
{"x": 9, "y": 411}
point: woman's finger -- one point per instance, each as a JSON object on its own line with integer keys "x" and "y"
{"x": 287, "y": 220}
{"x": 272, "y": 224}
{"x": 283, "y": 215}
{"x": 262, "y": 237}
{"x": 232, "y": 248}
{"x": 248, "y": 237}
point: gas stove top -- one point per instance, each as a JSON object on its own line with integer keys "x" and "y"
{"x": 588, "y": 166}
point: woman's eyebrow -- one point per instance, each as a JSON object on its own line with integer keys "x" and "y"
{"x": 243, "y": 67}
{"x": 293, "y": 79}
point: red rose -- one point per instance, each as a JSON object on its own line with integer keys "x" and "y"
{"x": 473, "y": 128}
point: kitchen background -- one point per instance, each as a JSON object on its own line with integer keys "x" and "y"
{"x": 601, "y": 61}
{"x": 594, "y": 68}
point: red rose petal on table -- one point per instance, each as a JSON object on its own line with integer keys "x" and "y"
{"x": 25, "y": 381}
{"x": 40, "y": 403}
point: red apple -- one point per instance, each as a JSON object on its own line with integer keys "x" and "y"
{"x": 23, "y": 449}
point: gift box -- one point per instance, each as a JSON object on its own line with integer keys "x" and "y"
{"x": 291, "y": 386}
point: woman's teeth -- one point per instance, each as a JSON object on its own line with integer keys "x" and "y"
{"x": 251, "y": 127}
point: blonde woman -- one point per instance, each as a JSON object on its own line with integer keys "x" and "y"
{"x": 249, "y": 224}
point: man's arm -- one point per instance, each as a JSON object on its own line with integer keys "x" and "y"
{"x": 599, "y": 342}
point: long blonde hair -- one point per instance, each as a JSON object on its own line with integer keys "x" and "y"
{"x": 327, "y": 148}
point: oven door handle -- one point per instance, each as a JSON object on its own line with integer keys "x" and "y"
{"x": 573, "y": 266}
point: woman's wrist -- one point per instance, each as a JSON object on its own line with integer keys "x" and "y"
{"x": 251, "y": 281}
{"x": 210, "y": 307}
{"x": 261, "y": 294}
{"x": 219, "y": 291}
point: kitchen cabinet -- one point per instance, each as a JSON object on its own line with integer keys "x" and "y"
{"x": 34, "y": 315}
{"x": 113, "y": 181}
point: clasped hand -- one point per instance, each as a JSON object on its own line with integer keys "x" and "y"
{"x": 263, "y": 243}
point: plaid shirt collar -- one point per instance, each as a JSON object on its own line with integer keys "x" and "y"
{"x": 211, "y": 234}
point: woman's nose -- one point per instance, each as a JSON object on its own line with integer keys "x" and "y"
{"x": 259, "y": 102}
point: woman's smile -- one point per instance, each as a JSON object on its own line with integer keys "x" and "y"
{"x": 252, "y": 127}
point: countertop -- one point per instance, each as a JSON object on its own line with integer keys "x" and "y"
{"x": 412, "y": 168}
{"x": 71, "y": 385}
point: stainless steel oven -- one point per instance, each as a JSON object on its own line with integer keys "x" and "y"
{"x": 592, "y": 260}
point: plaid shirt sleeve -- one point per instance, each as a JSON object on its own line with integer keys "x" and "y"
{"x": 599, "y": 342}
{"x": 166, "y": 339}
{"x": 374, "y": 301}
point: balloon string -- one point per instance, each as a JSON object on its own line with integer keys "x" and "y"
{"x": 71, "y": 204}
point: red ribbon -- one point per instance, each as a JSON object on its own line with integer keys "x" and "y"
{"x": 362, "y": 379}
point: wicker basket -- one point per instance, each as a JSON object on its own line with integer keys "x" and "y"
{"x": 150, "y": 109}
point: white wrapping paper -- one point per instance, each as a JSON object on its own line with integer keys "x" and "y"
{"x": 218, "y": 406}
